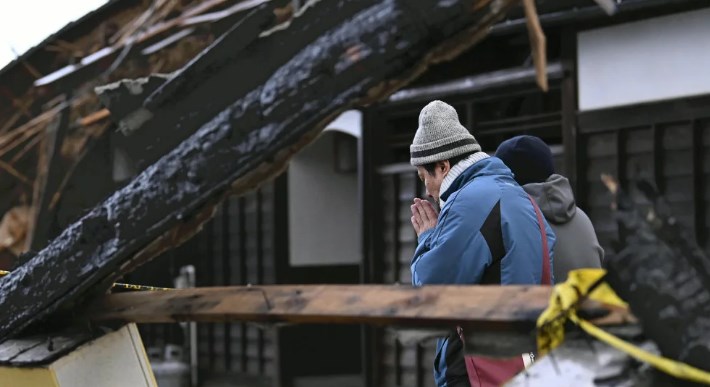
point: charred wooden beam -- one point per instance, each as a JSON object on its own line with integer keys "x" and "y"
{"x": 363, "y": 59}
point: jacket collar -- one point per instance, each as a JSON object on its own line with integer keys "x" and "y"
{"x": 451, "y": 182}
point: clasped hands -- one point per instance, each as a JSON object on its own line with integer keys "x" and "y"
{"x": 424, "y": 216}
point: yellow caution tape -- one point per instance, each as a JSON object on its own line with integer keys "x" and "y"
{"x": 563, "y": 303}
{"x": 116, "y": 285}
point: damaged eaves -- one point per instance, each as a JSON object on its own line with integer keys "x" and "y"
{"x": 378, "y": 49}
{"x": 24, "y": 130}
{"x": 146, "y": 36}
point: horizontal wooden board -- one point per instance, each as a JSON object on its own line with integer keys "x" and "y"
{"x": 481, "y": 307}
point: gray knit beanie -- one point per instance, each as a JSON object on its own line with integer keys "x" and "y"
{"x": 440, "y": 135}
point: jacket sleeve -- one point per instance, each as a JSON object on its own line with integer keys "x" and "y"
{"x": 454, "y": 252}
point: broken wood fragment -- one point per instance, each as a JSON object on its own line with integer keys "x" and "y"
{"x": 49, "y": 171}
{"x": 662, "y": 274}
{"x": 89, "y": 65}
{"x": 538, "y": 43}
{"x": 13, "y": 229}
{"x": 94, "y": 117}
{"x": 246, "y": 55}
{"x": 247, "y": 143}
{"x": 124, "y": 100}
{"x": 219, "y": 54}
{"x": 15, "y": 173}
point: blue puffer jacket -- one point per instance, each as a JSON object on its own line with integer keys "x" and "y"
{"x": 487, "y": 233}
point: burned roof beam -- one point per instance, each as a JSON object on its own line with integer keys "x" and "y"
{"x": 361, "y": 60}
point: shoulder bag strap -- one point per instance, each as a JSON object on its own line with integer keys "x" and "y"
{"x": 546, "y": 278}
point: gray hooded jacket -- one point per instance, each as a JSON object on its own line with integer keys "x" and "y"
{"x": 577, "y": 245}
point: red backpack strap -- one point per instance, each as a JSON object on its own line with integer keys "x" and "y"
{"x": 546, "y": 278}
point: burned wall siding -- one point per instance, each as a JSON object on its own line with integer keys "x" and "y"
{"x": 669, "y": 148}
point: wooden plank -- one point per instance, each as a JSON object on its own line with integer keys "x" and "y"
{"x": 483, "y": 307}
{"x": 361, "y": 60}
{"x": 503, "y": 317}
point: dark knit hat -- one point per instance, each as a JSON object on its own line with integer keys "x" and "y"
{"x": 440, "y": 135}
{"x": 528, "y": 157}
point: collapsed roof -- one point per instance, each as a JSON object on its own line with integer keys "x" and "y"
{"x": 331, "y": 56}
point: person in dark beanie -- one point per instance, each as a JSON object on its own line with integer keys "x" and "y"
{"x": 489, "y": 230}
{"x": 577, "y": 247}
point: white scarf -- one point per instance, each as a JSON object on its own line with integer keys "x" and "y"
{"x": 458, "y": 169}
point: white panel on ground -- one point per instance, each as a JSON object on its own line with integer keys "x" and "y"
{"x": 115, "y": 359}
{"x": 324, "y": 216}
{"x": 651, "y": 60}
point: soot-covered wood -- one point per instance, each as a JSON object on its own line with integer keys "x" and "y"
{"x": 374, "y": 52}
{"x": 663, "y": 275}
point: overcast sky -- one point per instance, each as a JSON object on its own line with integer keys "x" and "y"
{"x": 24, "y": 23}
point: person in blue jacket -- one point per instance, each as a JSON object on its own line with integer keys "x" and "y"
{"x": 487, "y": 231}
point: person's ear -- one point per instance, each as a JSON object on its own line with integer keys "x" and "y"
{"x": 444, "y": 166}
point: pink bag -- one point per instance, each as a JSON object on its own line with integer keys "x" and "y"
{"x": 489, "y": 372}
